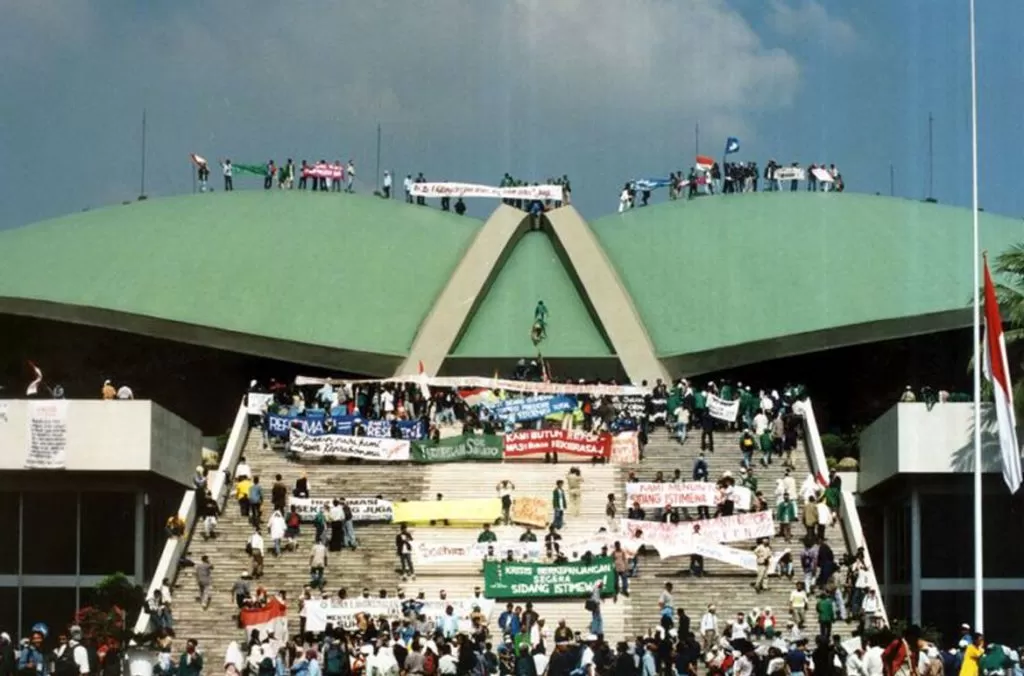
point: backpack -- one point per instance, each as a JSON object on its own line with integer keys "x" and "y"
{"x": 65, "y": 665}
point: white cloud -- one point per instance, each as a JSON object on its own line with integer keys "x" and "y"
{"x": 808, "y": 19}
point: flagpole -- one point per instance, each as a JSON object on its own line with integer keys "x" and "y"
{"x": 979, "y": 571}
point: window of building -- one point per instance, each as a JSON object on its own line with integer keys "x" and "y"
{"x": 946, "y": 532}
{"x": 9, "y": 519}
{"x": 54, "y": 606}
{"x": 108, "y": 533}
{"x": 9, "y": 611}
{"x": 51, "y": 518}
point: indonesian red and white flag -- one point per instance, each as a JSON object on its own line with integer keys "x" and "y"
{"x": 478, "y": 396}
{"x": 272, "y": 617}
{"x": 197, "y": 160}
{"x": 33, "y": 387}
{"x": 704, "y": 162}
{"x": 997, "y": 370}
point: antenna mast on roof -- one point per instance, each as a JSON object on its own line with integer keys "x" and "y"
{"x": 142, "y": 187}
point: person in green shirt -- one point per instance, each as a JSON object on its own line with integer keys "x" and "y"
{"x": 995, "y": 660}
{"x": 826, "y": 615}
{"x": 191, "y": 662}
{"x": 748, "y": 479}
{"x": 487, "y": 535}
{"x": 785, "y": 514}
{"x": 528, "y": 536}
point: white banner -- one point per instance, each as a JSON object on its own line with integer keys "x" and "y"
{"x": 686, "y": 494}
{"x": 679, "y": 539}
{"x": 790, "y": 174}
{"x": 427, "y": 553}
{"x": 476, "y": 382}
{"x": 625, "y": 448}
{"x": 257, "y": 402}
{"x": 47, "y": 434}
{"x": 343, "y": 613}
{"x": 363, "y": 509}
{"x": 722, "y": 409}
{"x": 523, "y": 192}
{"x": 822, "y": 175}
{"x": 736, "y": 557}
{"x": 338, "y": 446}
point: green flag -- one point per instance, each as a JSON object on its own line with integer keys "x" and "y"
{"x": 464, "y": 447}
{"x": 254, "y": 169}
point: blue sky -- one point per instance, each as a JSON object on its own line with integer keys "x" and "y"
{"x": 604, "y": 90}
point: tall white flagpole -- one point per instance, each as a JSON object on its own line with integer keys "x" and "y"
{"x": 979, "y": 572}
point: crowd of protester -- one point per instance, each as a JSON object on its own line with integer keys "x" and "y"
{"x": 730, "y": 177}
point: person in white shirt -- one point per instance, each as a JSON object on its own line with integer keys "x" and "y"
{"x": 387, "y": 403}
{"x": 624, "y": 200}
{"x": 743, "y": 666}
{"x": 709, "y": 626}
{"x": 242, "y": 469}
{"x": 873, "y": 665}
{"x": 448, "y": 665}
{"x": 386, "y": 189}
{"x": 855, "y": 662}
{"x": 809, "y": 489}
{"x": 739, "y": 627}
{"x": 407, "y": 186}
{"x": 798, "y": 604}
{"x": 540, "y": 662}
{"x": 785, "y": 485}
{"x": 255, "y": 547}
{"x": 350, "y": 176}
{"x": 760, "y": 423}
{"x": 124, "y": 393}
{"x": 276, "y": 528}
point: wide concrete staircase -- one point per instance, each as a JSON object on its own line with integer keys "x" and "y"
{"x": 727, "y": 586}
{"x": 371, "y": 565}
{"x": 535, "y": 479}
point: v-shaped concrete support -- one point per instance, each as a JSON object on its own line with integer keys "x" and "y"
{"x": 596, "y": 281}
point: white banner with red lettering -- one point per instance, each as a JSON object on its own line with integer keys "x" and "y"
{"x": 679, "y": 539}
{"x": 522, "y": 192}
{"x": 345, "y": 614}
{"x": 687, "y": 494}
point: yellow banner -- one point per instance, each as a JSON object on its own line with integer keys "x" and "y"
{"x": 530, "y": 511}
{"x": 486, "y": 510}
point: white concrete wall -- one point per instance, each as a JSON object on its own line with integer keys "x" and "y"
{"x": 911, "y": 439}
{"x": 110, "y": 436}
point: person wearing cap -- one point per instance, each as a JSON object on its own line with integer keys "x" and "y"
{"x": 32, "y": 657}
{"x": 709, "y": 626}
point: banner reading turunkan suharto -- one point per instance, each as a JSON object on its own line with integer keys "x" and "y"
{"x": 678, "y": 539}
{"x": 522, "y": 192}
{"x": 338, "y": 446}
{"x": 570, "y": 442}
{"x": 685, "y": 494}
{"x": 345, "y": 613}
{"x": 363, "y": 509}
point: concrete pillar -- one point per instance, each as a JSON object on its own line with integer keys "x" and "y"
{"x": 915, "y": 555}
{"x": 887, "y": 553}
{"x": 140, "y": 535}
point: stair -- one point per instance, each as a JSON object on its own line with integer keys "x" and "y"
{"x": 370, "y": 565}
{"x": 536, "y": 479}
{"x": 727, "y": 586}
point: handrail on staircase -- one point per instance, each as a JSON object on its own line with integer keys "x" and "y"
{"x": 853, "y": 532}
{"x": 175, "y": 547}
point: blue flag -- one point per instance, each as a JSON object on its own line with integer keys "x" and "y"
{"x": 732, "y": 145}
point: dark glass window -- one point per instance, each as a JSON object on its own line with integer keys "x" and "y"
{"x": 53, "y": 605}
{"x": 50, "y": 519}
{"x": 9, "y": 610}
{"x": 108, "y": 533}
{"x": 946, "y": 532}
{"x": 9, "y": 519}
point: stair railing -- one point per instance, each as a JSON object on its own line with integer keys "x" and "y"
{"x": 850, "y": 523}
{"x": 175, "y": 547}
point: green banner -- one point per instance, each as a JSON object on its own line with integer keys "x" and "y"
{"x": 506, "y": 580}
{"x": 254, "y": 169}
{"x": 473, "y": 447}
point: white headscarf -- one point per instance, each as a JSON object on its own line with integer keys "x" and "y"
{"x": 234, "y": 656}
